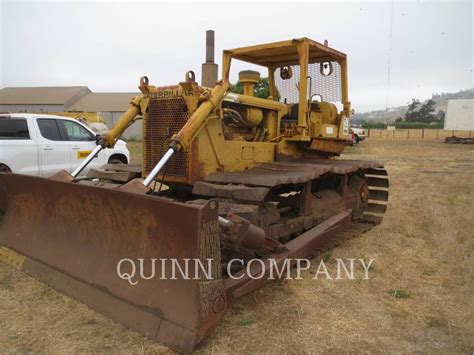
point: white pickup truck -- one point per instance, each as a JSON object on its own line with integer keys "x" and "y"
{"x": 42, "y": 145}
{"x": 359, "y": 134}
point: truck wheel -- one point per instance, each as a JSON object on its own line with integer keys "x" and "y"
{"x": 118, "y": 159}
{"x": 356, "y": 139}
{"x": 4, "y": 169}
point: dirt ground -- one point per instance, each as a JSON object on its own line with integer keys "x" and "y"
{"x": 419, "y": 297}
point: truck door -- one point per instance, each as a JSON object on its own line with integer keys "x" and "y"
{"x": 54, "y": 147}
{"x": 18, "y": 151}
{"x": 82, "y": 142}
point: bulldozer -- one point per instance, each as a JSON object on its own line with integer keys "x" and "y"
{"x": 92, "y": 119}
{"x": 224, "y": 177}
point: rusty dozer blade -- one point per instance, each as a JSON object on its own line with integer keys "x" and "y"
{"x": 72, "y": 237}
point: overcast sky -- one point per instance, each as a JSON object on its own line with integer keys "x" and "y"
{"x": 108, "y": 46}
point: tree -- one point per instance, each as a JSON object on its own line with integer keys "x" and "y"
{"x": 238, "y": 88}
{"x": 399, "y": 119}
{"x": 440, "y": 116}
{"x": 412, "y": 113}
{"x": 262, "y": 89}
{"x": 426, "y": 113}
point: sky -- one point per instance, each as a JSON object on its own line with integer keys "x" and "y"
{"x": 396, "y": 50}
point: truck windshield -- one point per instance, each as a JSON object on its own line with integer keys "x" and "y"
{"x": 14, "y": 128}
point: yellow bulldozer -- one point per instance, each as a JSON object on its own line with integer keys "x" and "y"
{"x": 92, "y": 119}
{"x": 246, "y": 178}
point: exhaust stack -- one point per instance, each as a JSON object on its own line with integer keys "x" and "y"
{"x": 209, "y": 68}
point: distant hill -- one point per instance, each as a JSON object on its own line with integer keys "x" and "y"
{"x": 394, "y": 112}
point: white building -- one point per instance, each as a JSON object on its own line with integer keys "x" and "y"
{"x": 110, "y": 105}
{"x": 40, "y": 99}
{"x": 460, "y": 115}
{"x": 69, "y": 99}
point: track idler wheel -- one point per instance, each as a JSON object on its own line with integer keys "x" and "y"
{"x": 359, "y": 187}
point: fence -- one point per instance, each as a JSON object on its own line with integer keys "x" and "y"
{"x": 420, "y": 133}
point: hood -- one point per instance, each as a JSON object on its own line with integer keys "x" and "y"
{"x": 121, "y": 143}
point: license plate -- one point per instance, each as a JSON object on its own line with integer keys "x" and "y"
{"x": 83, "y": 154}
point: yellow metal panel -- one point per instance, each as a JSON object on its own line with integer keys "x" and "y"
{"x": 256, "y": 152}
{"x": 328, "y": 145}
{"x": 11, "y": 258}
{"x": 327, "y": 131}
{"x": 248, "y": 153}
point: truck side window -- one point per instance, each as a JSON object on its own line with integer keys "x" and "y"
{"x": 14, "y": 128}
{"x": 49, "y": 129}
{"x": 76, "y": 132}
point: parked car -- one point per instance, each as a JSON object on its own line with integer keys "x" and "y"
{"x": 42, "y": 145}
{"x": 350, "y": 137}
{"x": 359, "y": 134}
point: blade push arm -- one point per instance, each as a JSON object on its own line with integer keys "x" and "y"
{"x": 183, "y": 139}
{"x": 109, "y": 139}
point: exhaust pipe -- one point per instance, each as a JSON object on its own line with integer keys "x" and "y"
{"x": 209, "y": 69}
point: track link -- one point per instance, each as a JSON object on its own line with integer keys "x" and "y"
{"x": 377, "y": 179}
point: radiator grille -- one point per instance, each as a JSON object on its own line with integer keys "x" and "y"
{"x": 165, "y": 118}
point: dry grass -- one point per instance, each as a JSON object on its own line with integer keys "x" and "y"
{"x": 419, "y": 297}
{"x": 135, "y": 149}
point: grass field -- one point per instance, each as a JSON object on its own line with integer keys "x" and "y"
{"x": 419, "y": 297}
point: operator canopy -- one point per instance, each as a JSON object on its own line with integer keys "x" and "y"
{"x": 285, "y": 53}
{"x": 288, "y": 62}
